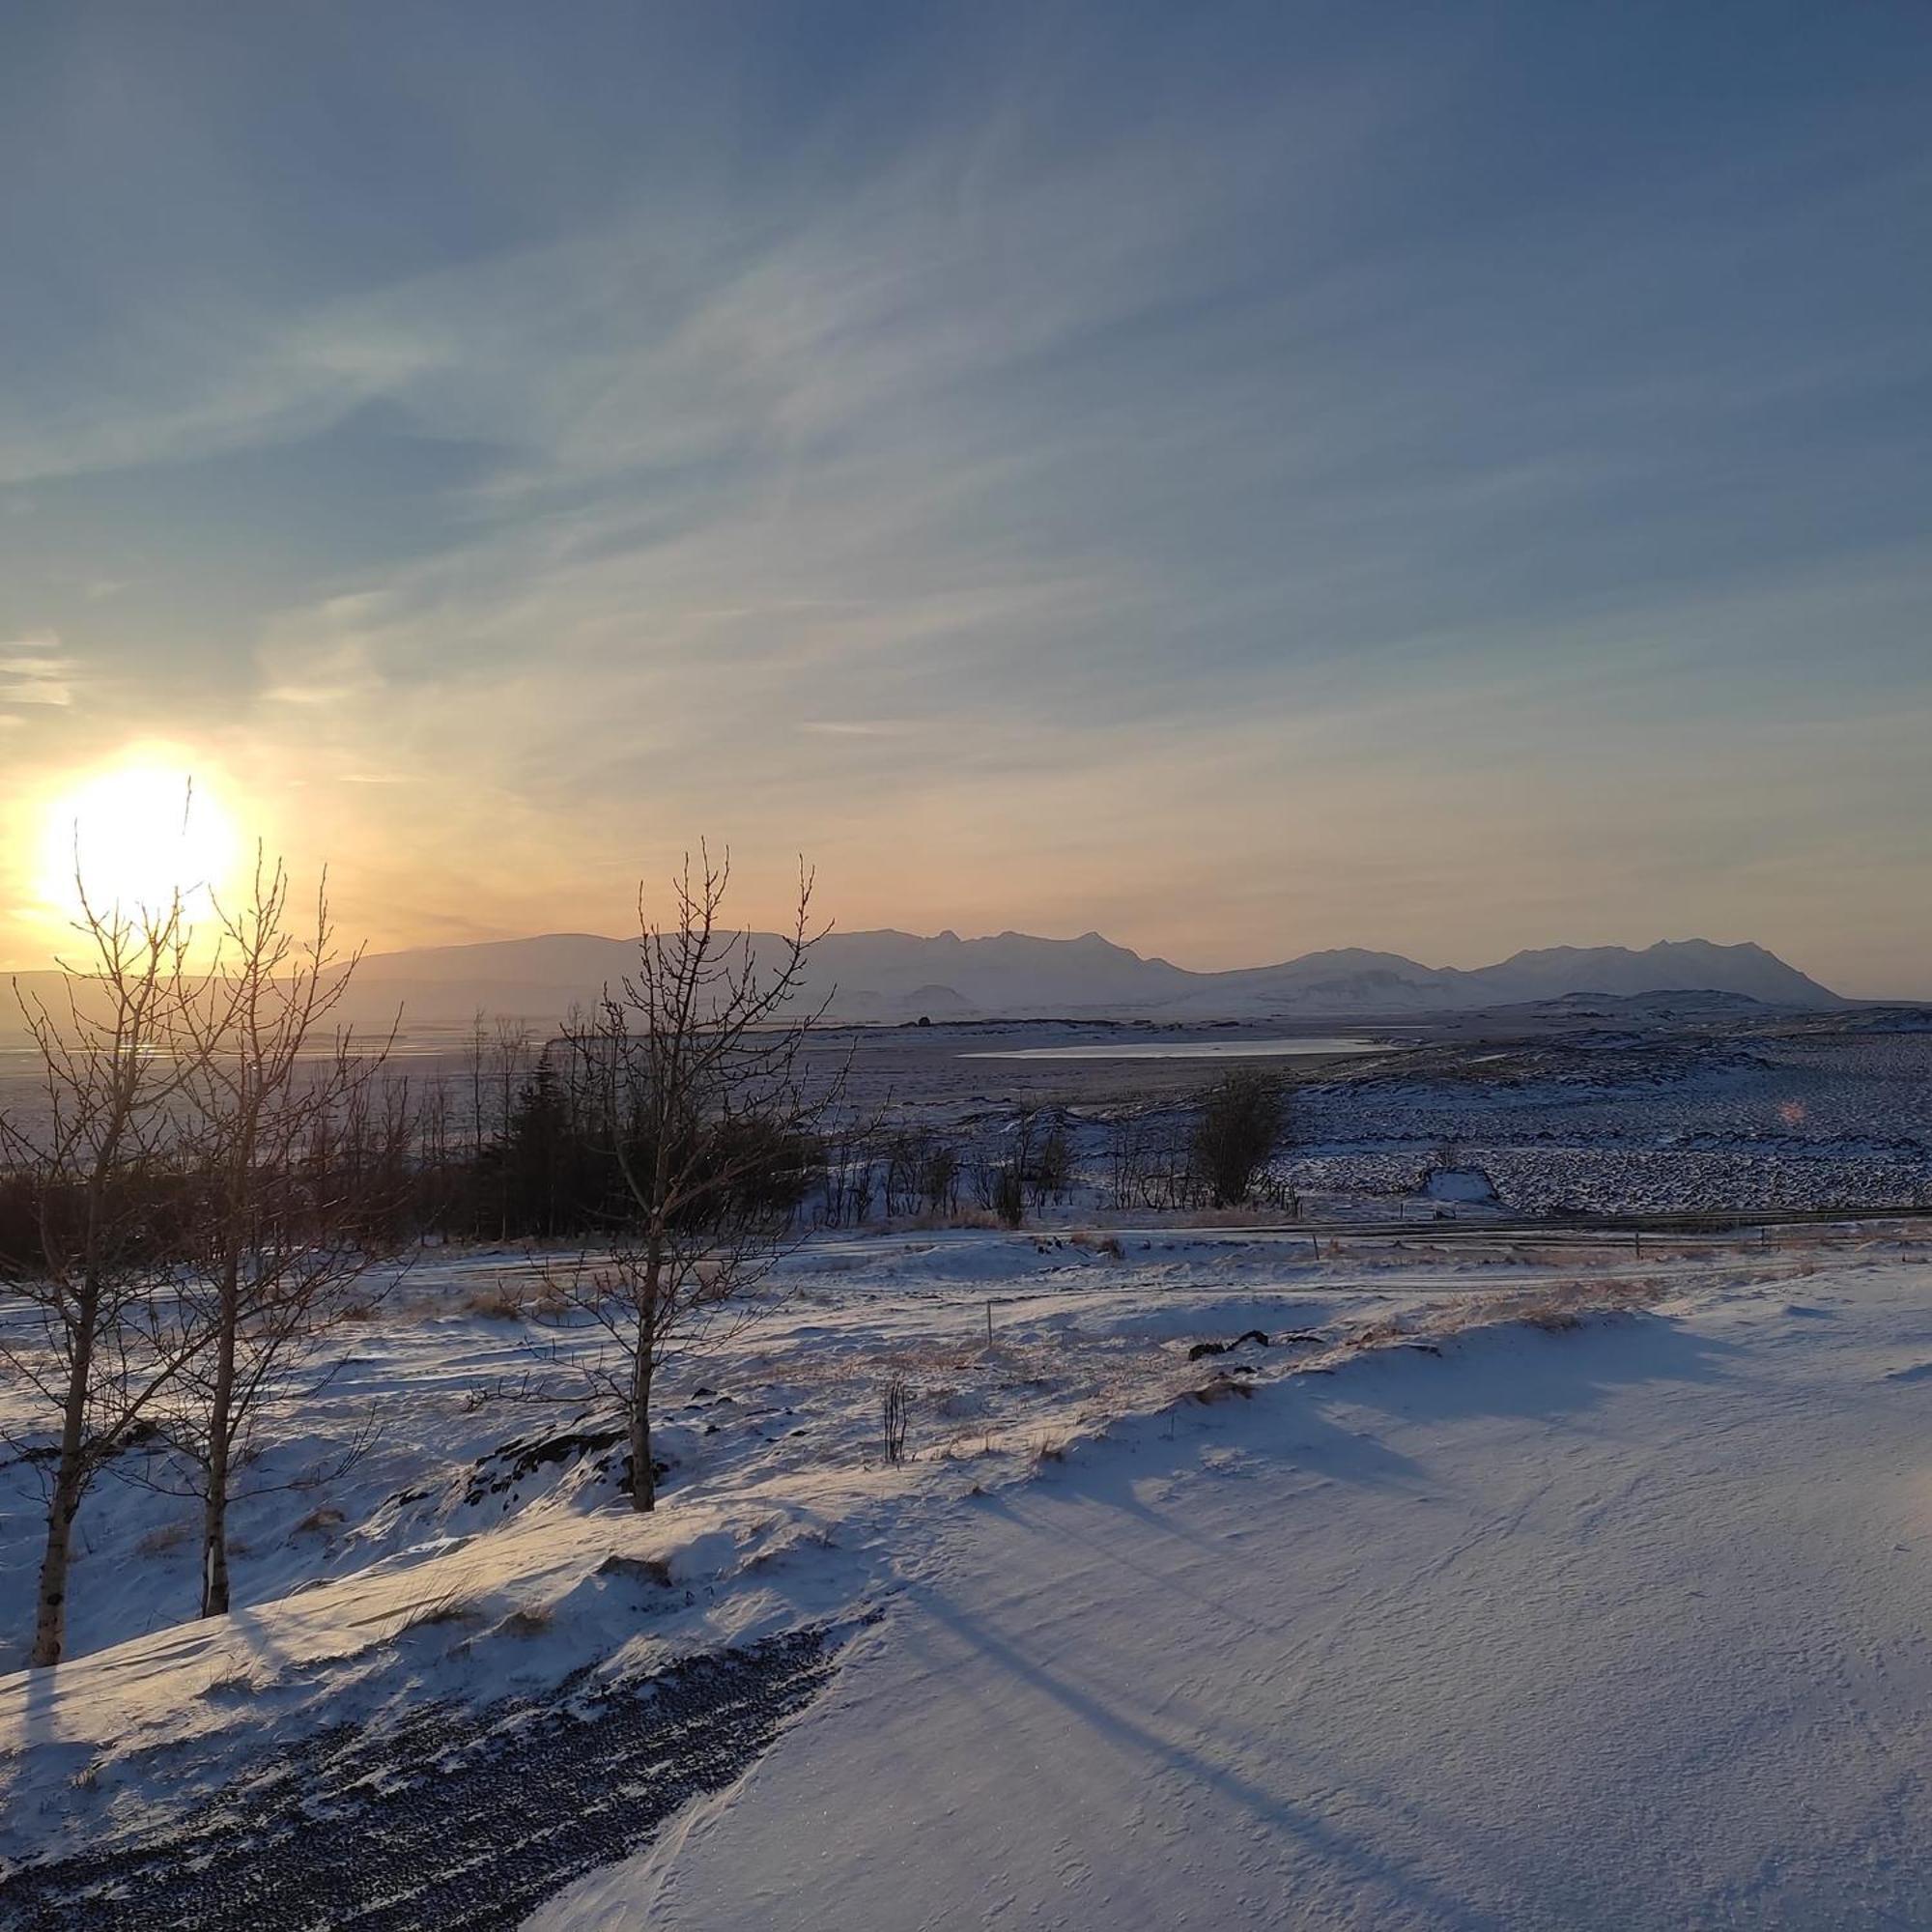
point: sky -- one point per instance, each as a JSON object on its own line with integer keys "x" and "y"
{"x": 1244, "y": 479}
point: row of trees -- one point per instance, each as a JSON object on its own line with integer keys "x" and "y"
{"x": 549, "y": 1172}
{"x": 213, "y": 1167}
{"x": 182, "y": 1225}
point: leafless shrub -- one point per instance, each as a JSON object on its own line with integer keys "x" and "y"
{"x": 1242, "y": 1122}
{"x": 1009, "y": 1197}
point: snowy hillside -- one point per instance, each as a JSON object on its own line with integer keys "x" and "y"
{"x": 1614, "y": 1630}
{"x": 1414, "y": 1586}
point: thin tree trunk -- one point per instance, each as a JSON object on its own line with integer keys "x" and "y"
{"x": 220, "y": 1425}
{"x": 643, "y": 1478}
{"x": 50, "y": 1606}
{"x": 50, "y": 1602}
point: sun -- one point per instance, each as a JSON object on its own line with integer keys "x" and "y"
{"x": 134, "y": 838}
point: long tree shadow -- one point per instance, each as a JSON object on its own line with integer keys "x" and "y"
{"x": 1404, "y": 1883}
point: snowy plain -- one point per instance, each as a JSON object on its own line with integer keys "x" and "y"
{"x": 1507, "y": 1584}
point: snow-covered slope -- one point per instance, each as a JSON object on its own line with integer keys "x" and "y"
{"x": 1616, "y": 1629}
{"x": 1451, "y": 1619}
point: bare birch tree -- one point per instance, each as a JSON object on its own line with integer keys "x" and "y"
{"x": 714, "y": 1116}
{"x": 101, "y": 1151}
{"x": 277, "y": 1238}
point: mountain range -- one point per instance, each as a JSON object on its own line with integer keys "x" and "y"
{"x": 891, "y": 976}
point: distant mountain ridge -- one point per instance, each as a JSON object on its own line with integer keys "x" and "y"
{"x": 894, "y": 976}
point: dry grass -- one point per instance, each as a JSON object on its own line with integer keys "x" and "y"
{"x": 1233, "y": 1217}
{"x": 814, "y": 1536}
{"x": 233, "y": 1684}
{"x": 1220, "y": 1388}
{"x": 452, "y": 1609}
{"x": 654, "y": 1569}
{"x": 167, "y": 1536}
{"x": 1377, "y": 1334}
{"x": 1099, "y": 1244}
{"x": 499, "y": 1300}
{"x": 1558, "y": 1307}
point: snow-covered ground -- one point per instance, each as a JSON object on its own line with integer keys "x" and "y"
{"x": 1423, "y": 1614}
{"x": 1624, "y": 1628}
{"x": 1633, "y": 1123}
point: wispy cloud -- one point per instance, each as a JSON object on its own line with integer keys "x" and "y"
{"x": 33, "y": 671}
{"x": 1071, "y": 476}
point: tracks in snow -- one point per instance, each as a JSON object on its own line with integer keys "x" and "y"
{"x": 463, "y": 1820}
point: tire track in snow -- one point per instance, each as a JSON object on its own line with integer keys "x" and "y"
{"x": 463, "y": 1820}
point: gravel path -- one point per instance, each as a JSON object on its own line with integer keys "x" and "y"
{"x": 454, "y": 1819}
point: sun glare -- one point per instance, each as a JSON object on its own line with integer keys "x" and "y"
{"x": 136, "y": 835}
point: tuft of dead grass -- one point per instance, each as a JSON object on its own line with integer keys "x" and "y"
{"x": 638, "y": 1569}
{"x": 1220, "y": 1388}
{"x": 497, "y": 1300}
{"x": 164, "y": 1537}
{"x": 1108, "y": 1245}
{"x": 452, "y": 1609}
{"x": 231, "y": 1685}
{"x": 1558, "y": 1307}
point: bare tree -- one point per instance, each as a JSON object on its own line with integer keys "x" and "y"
{"x": 1243, "y": 1118}
{"x": 512, "y": 1058}
{"x": 277, "y": 1238}
{"x": 715, "y": 1119}
{"x": 1049, "y": 1173}
{"x": 100, "y": 1157}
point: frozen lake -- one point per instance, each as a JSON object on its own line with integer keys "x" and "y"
{"x": 1184, "y": 1049}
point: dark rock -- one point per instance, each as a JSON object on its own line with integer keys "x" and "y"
{"x": 1201, "y": 1349}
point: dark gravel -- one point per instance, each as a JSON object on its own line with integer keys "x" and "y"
{"x": 450, "y": 1819}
